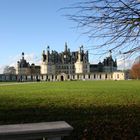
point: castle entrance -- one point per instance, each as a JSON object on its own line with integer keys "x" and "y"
{"x": 62, "y": 78}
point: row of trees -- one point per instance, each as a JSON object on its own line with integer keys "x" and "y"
{"x": 9, "y": 70}
{"x": 28, "y": 71}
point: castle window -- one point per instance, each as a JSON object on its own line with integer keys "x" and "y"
{"x": 89, "y": 76}
{"x": 83, "y": 76}
{"x": 100, "y": 76}
{"x": 105, "y": 76}
{"x": 77, "y": 76}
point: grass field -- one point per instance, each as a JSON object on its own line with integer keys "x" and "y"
{"x": 107, "y": 110}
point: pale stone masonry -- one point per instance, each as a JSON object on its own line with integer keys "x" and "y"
{"x": 76, "y": 62}
{"x": 65, "y": 62}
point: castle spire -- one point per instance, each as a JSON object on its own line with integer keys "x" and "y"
{"x": 66, "y": 47}
{"x": 48, "y": 48}
{"x": 110, "y": 53}
{"x": 23, "y": 55}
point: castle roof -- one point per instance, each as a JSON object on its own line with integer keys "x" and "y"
{"x": 23, "y": 63}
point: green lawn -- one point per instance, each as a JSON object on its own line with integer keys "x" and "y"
{"x": 107, "y": 109}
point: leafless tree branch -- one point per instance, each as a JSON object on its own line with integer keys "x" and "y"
{"x": 117, "y": 22}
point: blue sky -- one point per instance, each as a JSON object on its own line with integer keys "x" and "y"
{"x": 30, "y": 25}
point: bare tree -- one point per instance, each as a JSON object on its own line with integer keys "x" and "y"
{"x": 9, "y": 70}
{"x": 114, "y": 24}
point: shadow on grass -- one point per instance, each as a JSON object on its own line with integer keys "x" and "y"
{"x": 90, "y": 123}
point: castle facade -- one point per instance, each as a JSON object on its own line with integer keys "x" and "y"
{"x": 66, "y": 65}
{"x": 65, "y": 62}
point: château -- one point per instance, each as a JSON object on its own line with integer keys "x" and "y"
{"x": 65, "y": 65}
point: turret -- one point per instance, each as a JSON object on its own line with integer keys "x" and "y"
{"x": 48, "y": 54}
{"x": 47, "y": 67}
{"x": 115, "y": 63}
{"x": 81, "y": 66}
{"x": 66, "y": 47}
{"x": 110, "y": 53}
{"x": 48, "y": 49}
{"x": 80, "y": 52}
{"x": 22, "y": 55}
{"x": 43, "y": 56}
{"x": 87, "y": 58}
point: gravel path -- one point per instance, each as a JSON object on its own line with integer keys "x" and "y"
{"x": 9, "y": 84}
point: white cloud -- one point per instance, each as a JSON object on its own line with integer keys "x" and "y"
{"x": 31, "y": 58}
{"x": 1, "y": 68}
{"x": 124, "y": 64}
